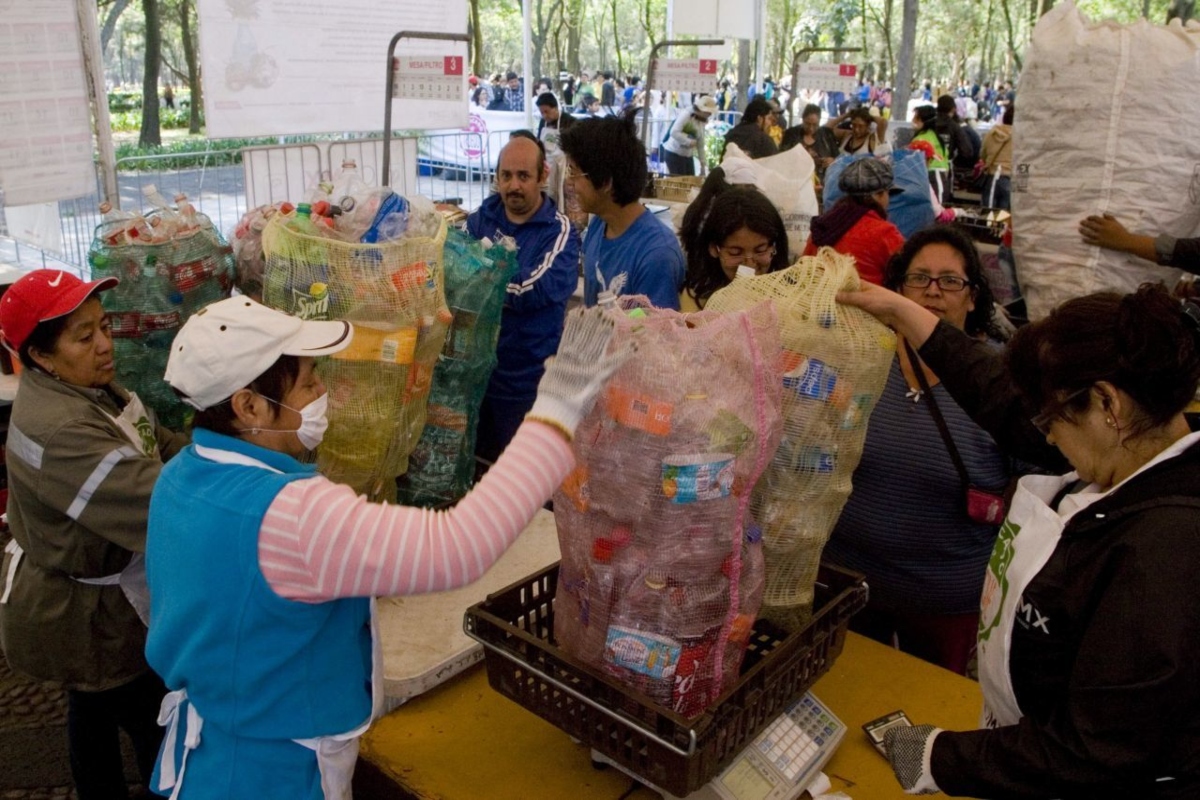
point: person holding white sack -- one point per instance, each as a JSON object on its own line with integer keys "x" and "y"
{"x": 262, "y": 572}
{"x": 1089, "y": 642}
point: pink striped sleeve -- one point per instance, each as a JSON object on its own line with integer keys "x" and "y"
{"x": 318, "y": 541}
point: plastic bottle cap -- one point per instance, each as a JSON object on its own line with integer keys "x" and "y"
{"x": 754, "y": 533}
{"x": 637, "y": 313}
{"x": 181, "y": 198}
{"x": 656, "y": 579}
{"x": 105, "y": 207}
{"x": 602, "y": 550}
{"x": 304, "y": 208}
{"x": 621, "y": 535}
{"x": 349, "y": 163}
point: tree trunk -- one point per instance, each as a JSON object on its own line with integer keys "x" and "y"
{"x": 110, "y": 23}
{"x": 188, "y": 33}
{"x": 743, "y": 73}
{"x": 904, "y": 64}
{"x": 617, "y": 40}
{"x": 1182, "y": 10}
{"x": 573, "y": 16}
{"x": 1013, "y": 57}
{"x": 476, "y": 40}
{"x": 150, "y": 133}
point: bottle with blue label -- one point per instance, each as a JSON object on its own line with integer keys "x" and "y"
{"x": 640, "y": 648}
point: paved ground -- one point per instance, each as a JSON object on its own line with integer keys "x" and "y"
{"x": 33, "y": 738}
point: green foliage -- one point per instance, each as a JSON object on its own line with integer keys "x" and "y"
{"x": 125, "y": 121}
{"x": 193, "y": 152}
{"x": 124, "y": 101}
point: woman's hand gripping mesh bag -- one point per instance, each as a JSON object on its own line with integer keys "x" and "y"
{"x": 835, "y": 364}
{"x": 661, "y": 574}
{"x": 171, "y": 263}
{"x": 441, "y": 467}
{"x": 378, "y": 386}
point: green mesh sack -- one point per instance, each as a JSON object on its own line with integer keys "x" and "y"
{"x": 835, "y": 364}
{"x": 162, "y": 284}
{"x": 378, "y": 386}
{"x": 441, "y": 468}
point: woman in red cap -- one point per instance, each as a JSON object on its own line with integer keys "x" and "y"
{"x": 83, "y": 455}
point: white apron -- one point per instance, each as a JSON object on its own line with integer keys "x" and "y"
{"x": 135, "y": 423}
{"x": 1026, "y": 540}
{"x": 336, "y": 754}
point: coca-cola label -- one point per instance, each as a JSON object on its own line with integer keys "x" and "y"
{"x": 164, "y": 321}
{"x": 693, "y": 677}
{"x": 192, "y": 275}
{"x": 642, "y": 652}
{"x": 124, "y": 324}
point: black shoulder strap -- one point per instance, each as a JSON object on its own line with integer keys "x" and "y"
{"x": 937, "y": 416}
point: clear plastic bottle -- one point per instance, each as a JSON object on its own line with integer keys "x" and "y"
{"x": 701, "y": 604}
{"x": 349, "y": 184}
{"x": 161, "y": 210}
{"x": 639, "y": 648}
{"x": 390, "y": 220}
{"x": 301, "y": 222}
{"x": 751, "y": 583}
{"x": 188, "y": 219}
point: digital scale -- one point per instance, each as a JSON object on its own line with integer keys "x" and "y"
{"x": 779, "y": 764}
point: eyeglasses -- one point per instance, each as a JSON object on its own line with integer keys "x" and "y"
{"x": 574, "y": 172}
{"x": 761, "y": 254}
{"x": 947, "y": 283}
{"x": 1044, "y": 420}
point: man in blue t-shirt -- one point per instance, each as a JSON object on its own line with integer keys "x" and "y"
{"x": 626, "y": 250}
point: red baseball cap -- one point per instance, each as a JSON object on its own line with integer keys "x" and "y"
{"x": 42, "y": 295}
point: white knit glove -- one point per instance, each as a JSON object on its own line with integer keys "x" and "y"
{"x": 577, "y": 373}
{"x": 909, "y": 749}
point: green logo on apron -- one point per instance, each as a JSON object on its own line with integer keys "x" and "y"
{"x": 996, "y": 579}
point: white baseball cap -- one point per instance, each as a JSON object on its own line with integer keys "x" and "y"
{"x": 225, "y": 346}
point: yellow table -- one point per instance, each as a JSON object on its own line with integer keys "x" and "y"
{"x": 463, "y": 741}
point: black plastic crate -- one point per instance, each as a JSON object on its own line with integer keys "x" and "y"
{"x": 679, "y": 755}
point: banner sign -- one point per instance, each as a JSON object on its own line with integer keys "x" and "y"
{"x": 829, "y": 77}
{"x": 685, "y": 75}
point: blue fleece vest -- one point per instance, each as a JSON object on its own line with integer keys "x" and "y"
{"x": 253, "y": 663}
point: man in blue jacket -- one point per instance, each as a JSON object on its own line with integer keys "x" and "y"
{"x": 536, "y": 302}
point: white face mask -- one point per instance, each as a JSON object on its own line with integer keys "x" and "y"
{"x": 313, "y": 420}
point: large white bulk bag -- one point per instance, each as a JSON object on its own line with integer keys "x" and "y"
{"x": 1106, "y": 122}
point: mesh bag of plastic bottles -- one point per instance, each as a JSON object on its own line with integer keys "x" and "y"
{"x": 248, "y": 258}
{"x": 835, "y": 363}
{"x": 162, "y": 284}
{"x": 661, "y": 573}
{"x": 442, "y": 466}
{"x": 378, "y": 386}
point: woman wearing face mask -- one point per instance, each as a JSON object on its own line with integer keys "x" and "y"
{"x": 262, "y": 572}
{"x": 83, "y": 456}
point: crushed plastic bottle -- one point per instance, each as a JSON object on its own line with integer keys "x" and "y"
{"x": 640, "y": 648}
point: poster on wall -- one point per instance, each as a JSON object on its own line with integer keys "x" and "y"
{"x": 280, "y": 67}
{"x": 45, "y": 117}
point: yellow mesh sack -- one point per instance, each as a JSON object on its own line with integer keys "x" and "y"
{"x": 393, "y": 293}
{"x": 835, "y": 364}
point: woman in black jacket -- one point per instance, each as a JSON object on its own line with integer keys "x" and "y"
{"x": 1090, "y": 628}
